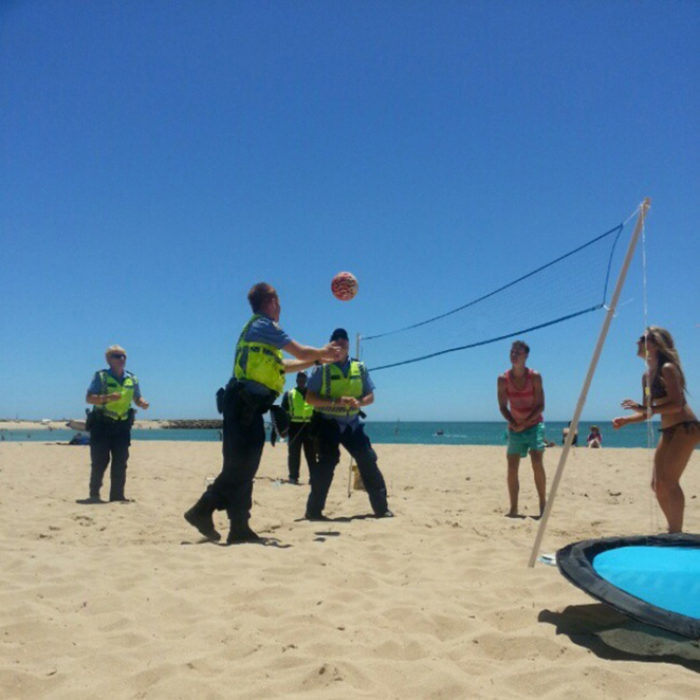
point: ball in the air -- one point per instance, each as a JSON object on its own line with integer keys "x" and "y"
{"x": 344, "y": 286}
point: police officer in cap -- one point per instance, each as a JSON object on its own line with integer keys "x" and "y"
{"x": 300, "y": 412}
{"x": 111, "y": 392}
{"x": 258, "y": 379}
{"x": 337, "y": 392}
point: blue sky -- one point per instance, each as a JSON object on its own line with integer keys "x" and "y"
{"x": 159, "y": 158}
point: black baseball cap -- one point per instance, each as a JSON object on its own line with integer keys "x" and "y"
{"x": 339, "y": 334}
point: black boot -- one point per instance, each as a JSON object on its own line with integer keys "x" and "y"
{"x": 316, "y": 517}
{"x": 240, "y": 532}
{"x": 200, "y": 516}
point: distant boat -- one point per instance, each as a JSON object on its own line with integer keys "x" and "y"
{"x": 439, "y": 432}
{"x": 45, "y": 421}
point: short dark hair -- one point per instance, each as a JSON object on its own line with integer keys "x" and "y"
{"x": 339, "y": 334}
{"x": 522, "y": 345}
{"x": 260, "y": 294}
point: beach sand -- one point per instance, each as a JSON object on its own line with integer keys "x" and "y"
{"x": 127, "y": 601}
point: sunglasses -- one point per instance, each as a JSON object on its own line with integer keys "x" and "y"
{"x": 118, "y": 356}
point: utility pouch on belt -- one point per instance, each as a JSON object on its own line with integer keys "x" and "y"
{"x": 280, "y": 420}
{"x": 220, "y": 399}
{"x": 247, "y": 406}
{"x": 131, "y": 417}
{"x": 90, "y": 419}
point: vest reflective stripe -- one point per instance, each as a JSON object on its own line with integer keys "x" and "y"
{"x": 335, "y": 384}
{"x": 259, "y": 362}
{"x": 119, "y": 409}
{"x": 299, "y": 410}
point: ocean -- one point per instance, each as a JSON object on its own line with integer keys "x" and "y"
{"x": 394, "y": 432}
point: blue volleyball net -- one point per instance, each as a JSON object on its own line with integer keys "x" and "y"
{"x": 566, "y": 286}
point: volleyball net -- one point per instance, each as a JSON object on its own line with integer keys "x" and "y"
{"x": 564, "y": 287}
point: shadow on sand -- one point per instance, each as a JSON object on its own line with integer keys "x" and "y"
{"x": 613, "y": 636}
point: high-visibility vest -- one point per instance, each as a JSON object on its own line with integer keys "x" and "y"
{"x": 259, "y": 362}
{"x": 299, "y": 410}
{"x": 335, "y": 384}
{"x": 119, "y": 409}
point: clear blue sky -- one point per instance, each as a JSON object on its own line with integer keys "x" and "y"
{"x": 158, "y": 158}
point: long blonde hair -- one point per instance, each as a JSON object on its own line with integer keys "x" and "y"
{"x": 667, "y": 350}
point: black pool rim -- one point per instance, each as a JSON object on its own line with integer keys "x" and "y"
{"x": 575, "y": 562}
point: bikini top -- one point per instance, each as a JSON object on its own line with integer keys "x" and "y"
{"x": 658, "y": 387}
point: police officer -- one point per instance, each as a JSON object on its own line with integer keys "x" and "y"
{"x": 111, "y": 392}
{"x": 258, "y": 379}
{"x": 338, "y": 391}
{"x": 300, "y": 412}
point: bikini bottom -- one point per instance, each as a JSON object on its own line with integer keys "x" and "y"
{"x": 688, "y": 427}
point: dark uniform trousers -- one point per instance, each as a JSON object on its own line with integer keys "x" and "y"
{"x": 330, "y": 435}
{"x": 244, "y": 439}
{"x": 109, "y": 439}
{"x": 299, "y": 436}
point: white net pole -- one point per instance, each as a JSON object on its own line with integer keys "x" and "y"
{"x": 357, "y": 356}
{"x": 643, "y": 208}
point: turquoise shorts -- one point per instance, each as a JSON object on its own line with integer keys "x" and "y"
{"x": 530, "y": 440}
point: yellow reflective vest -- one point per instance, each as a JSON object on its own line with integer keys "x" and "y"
{"x": 299, "y": 410}
{"x": 335, "y": 384}
{"x": 259, "y": 362}
{"x": 119, "y": 409}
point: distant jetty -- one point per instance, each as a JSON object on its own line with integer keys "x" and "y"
{"x": 196, "y": 424}
{"x": 79, "y": 424}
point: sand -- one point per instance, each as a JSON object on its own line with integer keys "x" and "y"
{"x": 127, "y": 601}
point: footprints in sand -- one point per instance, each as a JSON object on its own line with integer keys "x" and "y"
{"x": 83, "y": 520}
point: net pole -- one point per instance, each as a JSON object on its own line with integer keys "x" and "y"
{"x": 643, "y": 209}
{"x": 357, "y": 356}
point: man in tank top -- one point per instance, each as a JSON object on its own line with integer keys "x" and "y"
{"x": 521, "y": 401}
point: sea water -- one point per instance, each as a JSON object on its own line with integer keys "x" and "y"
{"x": 392, "y": 432}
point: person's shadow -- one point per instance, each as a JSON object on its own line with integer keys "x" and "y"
{"x": 263, "y": 541}
{"x": 613, "y": 636}
{"x": 320, "y": 535}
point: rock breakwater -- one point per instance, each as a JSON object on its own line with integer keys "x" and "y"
{"x": 195, "y": 424}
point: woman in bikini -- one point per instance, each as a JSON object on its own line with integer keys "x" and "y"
{"x": 663, "y": 386}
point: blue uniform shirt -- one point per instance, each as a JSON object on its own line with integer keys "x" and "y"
{"x": 96, "y": 383}
{"x": 264, "y": 330}
{"x": 315, "y": 382}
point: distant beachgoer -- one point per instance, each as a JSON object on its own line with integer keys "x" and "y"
{"x": 565, "y": 432}
{"x": 338, "y": 391}
{"x": 111, "y": 392}
{"x": 521, "y": 401}
{"x": 663, "y": 393}
{"x": 300, "y": 412}
{"x": 79, "y": 439}
{"x": 594, "y": 439}
{"x": 258, "y": 379}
